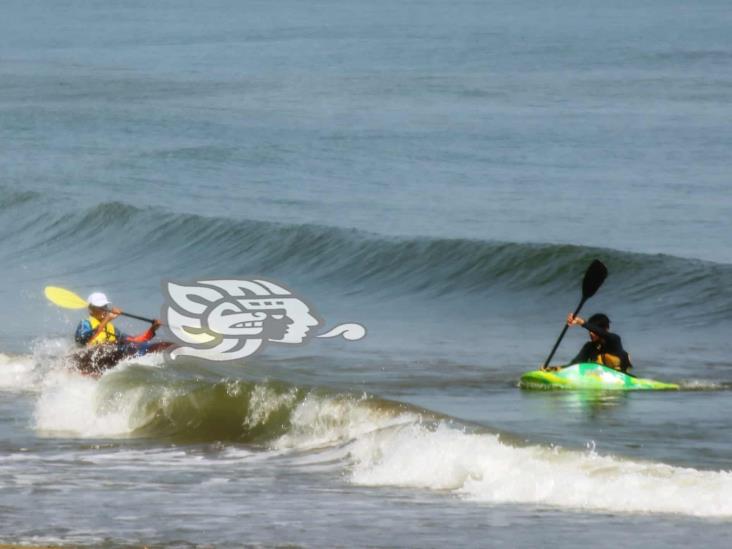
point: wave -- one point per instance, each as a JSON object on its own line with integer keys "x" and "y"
{"x": 689, "y": 56}
{"x": 186, "y": 409}
{"x": 372, "y": 441}
{"x": 369, "y": 263}
{"x": 483, "y": 468}
{"x": 10, "y": 198}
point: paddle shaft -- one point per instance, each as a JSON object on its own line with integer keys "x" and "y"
{"x": 561, "y": 336}
{"x": 145, "y": 319}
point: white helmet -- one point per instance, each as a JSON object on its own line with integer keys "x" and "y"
{"x": 98, "y": 299}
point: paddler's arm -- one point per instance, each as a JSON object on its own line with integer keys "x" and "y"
{"x": 579, "y": 321}
{"x": 145, "y": 336}
{"x": 84, "y": 333}
{"x": 571, "y": 321}
{"x": 586, "y": 352}
{"x": 584, "y": 355}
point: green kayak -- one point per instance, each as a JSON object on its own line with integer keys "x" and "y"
{"x": 590, "y": 376}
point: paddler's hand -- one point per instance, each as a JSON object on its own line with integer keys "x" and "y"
{"x": 574, "y": 320}
{"x": 155, "y": 325}
{"x": 113, "y": 313}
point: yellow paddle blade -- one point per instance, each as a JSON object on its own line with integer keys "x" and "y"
{"x": 64, "y": 298}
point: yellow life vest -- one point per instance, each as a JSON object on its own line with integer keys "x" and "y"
{"x": 609, "y": 360}
{"x": 108, "y": 335}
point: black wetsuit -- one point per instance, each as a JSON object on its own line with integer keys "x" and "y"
{"x": 609, "y": 344}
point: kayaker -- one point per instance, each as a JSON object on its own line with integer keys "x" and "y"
{"x": 604, "y": 346}
{"x": 99, "y": 330}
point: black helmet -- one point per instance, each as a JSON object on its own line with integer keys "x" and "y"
{"x": 600, "y": 320}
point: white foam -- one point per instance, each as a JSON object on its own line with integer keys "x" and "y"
{"x": 479, "y": 467}
{"x": 25, "y": 372}
{"x": 152, "y": 360}
{"x": 319, "y": 422}
{"x": 703, "y": 385}
{"x": 73, "y": 404}
{"x": 264, "y": 401}
{"x": 388, "y": 449}
{"x": 69, "y": 403}
{"x": 16, "y": 372}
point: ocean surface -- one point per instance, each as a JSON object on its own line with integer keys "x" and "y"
{"x": 441, "y": 172}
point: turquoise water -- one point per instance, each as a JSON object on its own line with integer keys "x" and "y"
{"x": 442, "y": 173}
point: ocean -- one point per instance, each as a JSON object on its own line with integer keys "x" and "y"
{"x": 440, "y": 172}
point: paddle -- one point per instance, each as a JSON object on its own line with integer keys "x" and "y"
{"x": 69, "y": 300}
{"x": 594, "y": 277}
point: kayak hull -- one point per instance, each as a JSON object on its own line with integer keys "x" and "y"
{"x": 591, "y": 376}
{"x": 96, "y": 360}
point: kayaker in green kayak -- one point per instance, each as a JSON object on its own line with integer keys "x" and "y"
{"x": 604, "y": 346}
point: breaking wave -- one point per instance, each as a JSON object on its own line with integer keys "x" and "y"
{"x": 374, "y": 442}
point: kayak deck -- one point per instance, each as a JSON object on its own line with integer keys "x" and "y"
{"x": 590, "y": 376}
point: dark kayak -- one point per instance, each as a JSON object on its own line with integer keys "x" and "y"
{"x": 99, "y": 358}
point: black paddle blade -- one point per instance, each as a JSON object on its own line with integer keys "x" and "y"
{"x": 594, "y": 277}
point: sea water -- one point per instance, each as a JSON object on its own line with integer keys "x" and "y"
{"x": 442, "y": 172}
